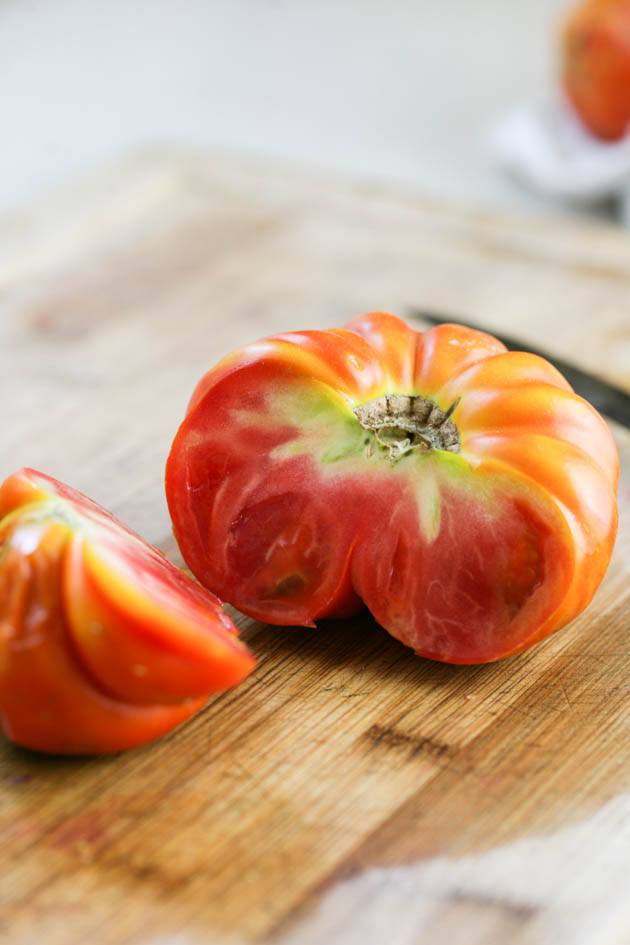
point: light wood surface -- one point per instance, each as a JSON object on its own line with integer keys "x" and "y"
{"x": 349, "y": 791}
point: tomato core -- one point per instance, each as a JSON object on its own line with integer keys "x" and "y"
{"x": 402, "y": 423}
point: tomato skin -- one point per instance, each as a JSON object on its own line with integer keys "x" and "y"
{"x": 104, "y": 644}
{"x": 596, "y": 66}
{"x": 284, "y": 504}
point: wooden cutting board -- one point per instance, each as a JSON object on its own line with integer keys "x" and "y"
{"x": 349, "y": 792}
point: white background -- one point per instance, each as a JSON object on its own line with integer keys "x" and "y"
{"x": 382, "y": 88}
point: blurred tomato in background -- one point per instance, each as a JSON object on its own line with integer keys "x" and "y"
{"x": 596, "y": 66}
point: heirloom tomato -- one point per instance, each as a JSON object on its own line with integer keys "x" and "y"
{"x": 596, "y": 66}
{"x": 462, "y": 492}
{"x": 104, "y": 644}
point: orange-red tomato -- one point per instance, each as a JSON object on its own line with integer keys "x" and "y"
{"x": 463, "y": 493}
{"x": 104, "y": 644}
{"x": 596, "y": 65}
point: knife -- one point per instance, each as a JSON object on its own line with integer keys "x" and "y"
{"x": 605, "y": 397}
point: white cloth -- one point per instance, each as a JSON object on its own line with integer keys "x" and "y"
{"x": 548, "y": 149}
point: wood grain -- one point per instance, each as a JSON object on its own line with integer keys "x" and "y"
{"x": 349, "y": 791}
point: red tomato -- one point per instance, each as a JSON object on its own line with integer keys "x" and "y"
{"x": 104, "y": 644}
{"x": 318, "y": 471}
{"x": 596, "y": 65}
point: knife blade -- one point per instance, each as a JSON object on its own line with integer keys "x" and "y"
{"x": 607, "y": 398}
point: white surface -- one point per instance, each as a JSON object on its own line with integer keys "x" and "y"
{"x": 517, "y": 881}
{"x": 550, "y": 151}
{"x": 382, "y": 88}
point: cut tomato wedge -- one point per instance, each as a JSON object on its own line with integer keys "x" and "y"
{"x": 104, "y": 644}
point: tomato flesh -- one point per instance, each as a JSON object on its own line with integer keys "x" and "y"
{"x": 456, "y": 599}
